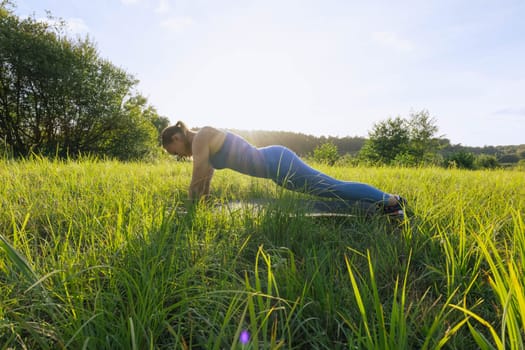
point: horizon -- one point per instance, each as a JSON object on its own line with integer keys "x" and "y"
{"x": 330, "y": 68}
{"x": 442, "y": 137}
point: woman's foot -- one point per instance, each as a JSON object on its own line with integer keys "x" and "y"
{"x": 395, "y": 207}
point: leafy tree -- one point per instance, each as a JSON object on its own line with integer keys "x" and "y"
{"x": 403, "y": 141}
{"x": 148, "y": 112}
{"x": 520, "y": 152}
{"x": 326, "y": 153}
{"x": 422, "y": 134}
{"x": 58, "y": 97}
{"x": 387, "y": 140}
{"x": 509, "y": 158}
{"x": 485, "y": 161}
{"x": 462, "y": 160}
{"x": 136, "y": 142}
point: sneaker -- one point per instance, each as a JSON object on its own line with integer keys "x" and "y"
{"x": 396, "y": 210}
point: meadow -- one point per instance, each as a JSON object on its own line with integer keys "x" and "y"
{"x": 104, "y": 255}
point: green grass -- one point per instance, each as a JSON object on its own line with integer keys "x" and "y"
{"x": 99, "y": 255}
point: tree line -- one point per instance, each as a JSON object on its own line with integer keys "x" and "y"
{"x": 414, "y": 141}
{"x": 300, "y": 143}
{"x": 410, "y": 141}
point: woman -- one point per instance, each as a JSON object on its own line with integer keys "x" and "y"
{"x": 215, "y": 149}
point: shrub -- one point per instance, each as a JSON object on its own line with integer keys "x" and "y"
{"x": 461, "y": 159}
{"x": 326, "y": 153}
{"x": 485, "y": 161}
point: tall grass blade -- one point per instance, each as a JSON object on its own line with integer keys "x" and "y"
{"x": 359, "y": 299}
{"x": 19, "y": 261}
{"x": 495, "y": 336}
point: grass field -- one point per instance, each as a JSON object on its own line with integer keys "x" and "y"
{"x": 100, "y": 255}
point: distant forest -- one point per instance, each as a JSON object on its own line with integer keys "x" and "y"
{"x": 304, "y": 145}
{"x": 301, "y": 144}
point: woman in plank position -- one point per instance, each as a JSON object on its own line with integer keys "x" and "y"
{"x": 216, "y": 149}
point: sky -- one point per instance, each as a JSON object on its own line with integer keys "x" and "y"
{"x": 319, "y": 67}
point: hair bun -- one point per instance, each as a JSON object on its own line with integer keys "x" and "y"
{"x": 180, "y": 124}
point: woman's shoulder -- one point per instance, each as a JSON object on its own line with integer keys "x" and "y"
{"x": 210, "y": 133}
{"x": 213, "y": 137}
{"x": 209, "y": 130}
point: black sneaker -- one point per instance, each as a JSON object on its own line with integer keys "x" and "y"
{"x": 397, "y": 210}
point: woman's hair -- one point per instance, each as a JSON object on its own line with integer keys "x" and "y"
{"x": 167, "y": 134}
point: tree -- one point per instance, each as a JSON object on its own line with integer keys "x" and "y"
{"x": 147, "y": 125}
{"x": 520, "y": 152}
{"x": 422, "y": 134}
{"x": 387, "y": 140}
{"x": 405, "y": 141}
{"x": 461, "y": 159}
{"x": 58, "y": 97}
{"x": 485, "y": 161}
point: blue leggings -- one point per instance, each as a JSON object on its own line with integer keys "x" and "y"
{"x": 286, "y": 169}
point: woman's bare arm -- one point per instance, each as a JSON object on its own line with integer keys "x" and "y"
{"x": 202, "y": 170}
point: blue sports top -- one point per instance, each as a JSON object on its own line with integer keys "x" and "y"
{"x": 237, "y": 154}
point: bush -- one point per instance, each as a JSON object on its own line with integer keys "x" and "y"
{"x": 521, "y": 165}
{"x": 348, "y": 160}
{"x": 485, "y": 161}
{"x": 326, "y": 153}
{"x": 461, "y": 159}
{"x": 406, "y": 159}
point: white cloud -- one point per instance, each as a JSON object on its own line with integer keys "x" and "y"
{"x": 176, "y": 24}
{"x": 393, "y": 41}
{"x": 163, "y": 7}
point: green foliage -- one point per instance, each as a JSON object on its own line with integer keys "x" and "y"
{"x": 461, "y": 160}
{"x": 423, "y": 130}
{"x": 509, "y": 158}
{"x": 326, "y": 153}
{"x": 520, "y": 152}
{"x": 58, "y": 97}
{"x": 485, "y": 161}
{"x": 402, "y": 141}
{"x": 140, "y": 140}
{"x": 387, "y": 140}
{"x": 348, "y": 161}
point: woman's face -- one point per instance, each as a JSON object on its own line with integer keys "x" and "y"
{"x": 179, "y": 146}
